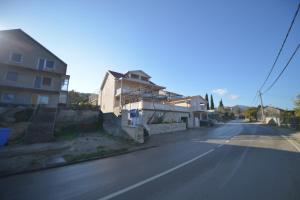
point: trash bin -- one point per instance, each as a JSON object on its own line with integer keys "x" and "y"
{"x": 4, "y": 133}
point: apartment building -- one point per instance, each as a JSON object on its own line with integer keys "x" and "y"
{"x": 147, "y": 107}
{"x": 29, "y": 73}
{"x": 196, "y": 105}
{"x": 118, "y": 89}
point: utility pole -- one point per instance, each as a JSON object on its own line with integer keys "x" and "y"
{"x": 262, "y": 106}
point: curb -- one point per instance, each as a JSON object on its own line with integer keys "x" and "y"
{"x": 75, "y": 162}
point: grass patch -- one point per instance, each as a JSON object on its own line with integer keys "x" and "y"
{"x": 66, "y": 134}
{"x": 124, "y": 140}
{"x": 16, "y": 141}
{"x": 23, "y": 115}
{"x": 101, "y": 151}
{"x": 73, "y": 131}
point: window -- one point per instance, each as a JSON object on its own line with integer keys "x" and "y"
{"x": 12, "y": 76}
{"x": 41, "y": 63}
{"x": 47, "y": 81}
{"x": 16, "y": 57}
{"x": 38, "y": 82}
{"x": 43, "y": 99}
{"x": 50, "y": 64}
{"x": 8, "y": 97}
{"x": 134, "y": 76}
{"x": 144, "y": 78}
{"x": 45, "y": 64}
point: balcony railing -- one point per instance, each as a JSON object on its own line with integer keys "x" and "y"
{"x": 124, "y": 91}
{"x": 155, "y": 106}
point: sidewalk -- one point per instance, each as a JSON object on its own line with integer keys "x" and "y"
{"x": 24, "y": 158}
{"x": 291, "y": 133}
{"x": 296, "y": 136}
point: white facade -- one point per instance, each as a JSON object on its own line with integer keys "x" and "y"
{"x": 118, "y": 89}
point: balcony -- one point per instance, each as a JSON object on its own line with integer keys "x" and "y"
{"x": 127, "y": 91}
{"x": 155, "y": 106}
{"x": 198, "y": 108}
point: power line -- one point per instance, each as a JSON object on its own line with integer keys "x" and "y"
{"x": 287, "y": 64}
{"x": 282, "y": 45}
{"x": 253, "y": 100}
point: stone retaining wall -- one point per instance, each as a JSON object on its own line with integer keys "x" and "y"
{"x": 164, "y": 128}
{"x": 136, "y": 133}
{"x": 75, "y": 116}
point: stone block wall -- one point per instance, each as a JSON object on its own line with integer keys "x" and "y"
{"x": 168, "y": 117}
{"x": 69, "y": 117}
{"x": 164, "y": 128}
{"x": 73, "y": 116}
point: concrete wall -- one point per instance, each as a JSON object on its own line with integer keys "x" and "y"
{"x": 107, "y": 95}
{"x": 198, "y": 104}
{"x": 194, "y": 103}
{"x": 146, "y": 105}
{"x": 168, "y": 117}
{"x": 172, "y": 123}
{"x": 169, "y": 113}
{"x": 134, "y": 132}
{"x": 270, "y": 120}
{"x": 165, "y": 128}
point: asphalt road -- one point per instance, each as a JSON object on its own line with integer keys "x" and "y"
{"x": 233, "y": 161}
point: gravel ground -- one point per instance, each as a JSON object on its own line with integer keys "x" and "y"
{"x": 20, "y": 157}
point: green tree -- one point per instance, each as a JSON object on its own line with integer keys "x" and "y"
{"x": 206, "y": 98}
{"x": 221, "y": 107}
{"x": 297, "y": 104}
{"x": 73, "y": 97}
{"x": 251, "y": 114}
{"x": 77, "y": 98}
{"x": 212, "y": 105}
{"x": 221, "y": 103}
{"x": 231, "y": 115}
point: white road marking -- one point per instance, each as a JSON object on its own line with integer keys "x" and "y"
{"x": 220, "y": 145}
{"x": 227, "y": 141}
{"x": 112, "y": 195}
{"x": 291, "y": 142}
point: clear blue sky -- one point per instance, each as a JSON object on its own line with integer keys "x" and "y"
{"x": 191, "y": 47}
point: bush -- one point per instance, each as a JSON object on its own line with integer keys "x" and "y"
{"x": 100, "y": 120}
{"x": 83, "y": 107}
{"x": 23, "y": 115}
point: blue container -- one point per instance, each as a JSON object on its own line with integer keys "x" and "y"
{"x": 4, "y": 133}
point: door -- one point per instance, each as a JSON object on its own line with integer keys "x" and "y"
{"x": 38, "y": 82}
{"x": 197, "y": 122}
{"x": 185, "y": 120}
{"x": 34, "y": 99}
{"x": 39, "y": 99}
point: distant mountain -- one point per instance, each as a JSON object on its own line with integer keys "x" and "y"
{"x": 239, "y": 108}
{"x": 242, "y": 107}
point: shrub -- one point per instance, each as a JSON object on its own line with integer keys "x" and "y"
{"x": 23, "y": 115}
{"x": 100, "y": 120}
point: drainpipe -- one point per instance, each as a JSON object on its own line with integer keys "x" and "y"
{"x": 121, "y": 90}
